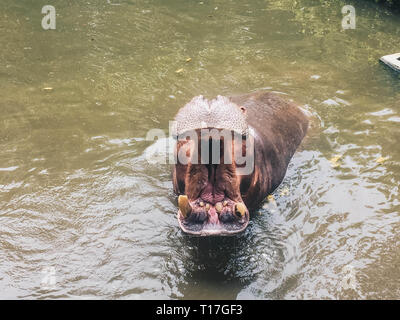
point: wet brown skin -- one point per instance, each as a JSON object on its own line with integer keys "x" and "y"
{"x": 279, "y": 127}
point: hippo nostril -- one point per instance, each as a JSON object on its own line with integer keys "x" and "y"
{"x": 227, "y": 217}
{"x": 198, "y": 217}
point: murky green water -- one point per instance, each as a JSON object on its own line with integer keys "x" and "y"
{"x": 83, "y": 215}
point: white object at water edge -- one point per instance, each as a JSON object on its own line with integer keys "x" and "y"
{"x": 392, "y": 60}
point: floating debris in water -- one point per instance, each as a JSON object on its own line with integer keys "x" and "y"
{"x": 188, "y": 59}
{"x": 48, "y": 88}
{"x": 335, "y": 161}
{"x": 381, "y": 160}
{"x": 315, "y": 77}
{"x": 284, "y": 191}
{"x": 179, "y": 71}
{"x": 392, "y": 60}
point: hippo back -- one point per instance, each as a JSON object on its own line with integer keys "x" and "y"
{"x": 279, "y": 127}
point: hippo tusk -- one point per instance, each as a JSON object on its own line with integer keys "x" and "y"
{"x": 240, "y": 209}
{"x": 218, "y": 207}
{"x": 184, "y": 206}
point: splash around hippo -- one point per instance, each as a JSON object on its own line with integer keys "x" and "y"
{"x": 231, "y": 152}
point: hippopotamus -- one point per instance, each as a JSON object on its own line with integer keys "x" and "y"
{"x": 215, "y": 194}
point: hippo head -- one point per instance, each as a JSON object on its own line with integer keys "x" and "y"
{"x": 212, "y": 164}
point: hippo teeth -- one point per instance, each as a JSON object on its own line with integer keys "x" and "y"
{"x": 218, "y": 207}
{"x": 184, "y": 206}
{"x": 240, "y": 209}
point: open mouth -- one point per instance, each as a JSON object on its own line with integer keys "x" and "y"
{"x": 202, "y": 218}
{"x": 210, "y": 202}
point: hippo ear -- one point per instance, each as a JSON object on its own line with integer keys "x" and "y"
{"x": 243, "y": 109}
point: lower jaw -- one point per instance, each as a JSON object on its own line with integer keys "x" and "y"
{"x": 211, "y": 229}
